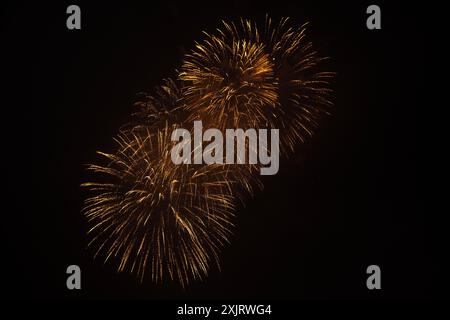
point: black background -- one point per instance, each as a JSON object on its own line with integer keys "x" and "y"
{"x": 347, "y": 200}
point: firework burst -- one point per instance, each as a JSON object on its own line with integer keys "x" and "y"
{"x": 171, "y": 219}
{"x": 152, "y": 215}
{"x": 231, "y": 82}
{"x": 242, "y": 77}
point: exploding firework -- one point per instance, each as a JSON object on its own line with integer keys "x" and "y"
{"x": 246, "y": 78}
{"x": 231, "y": 81}
{"x": 171, "y": 221}
{"x": 151, "y": 213}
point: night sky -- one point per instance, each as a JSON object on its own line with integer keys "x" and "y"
{"x": 346, "y": 200}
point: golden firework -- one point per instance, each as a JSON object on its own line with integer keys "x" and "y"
{"x": 244, "y": 77}
{"x": 151, "y": 213}
{"x": 230, "y": 84}
{"x": 153, "y": 216}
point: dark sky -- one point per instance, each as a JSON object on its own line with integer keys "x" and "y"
{"x": 348, "y": 199}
